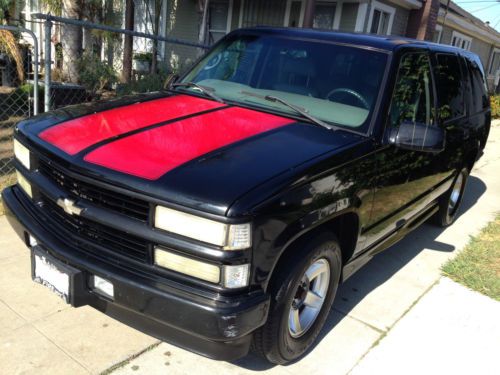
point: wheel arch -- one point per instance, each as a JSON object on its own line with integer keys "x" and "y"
{"x": 344, "y": 226}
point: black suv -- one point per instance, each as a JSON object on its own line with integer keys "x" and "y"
{"x": 226, "y": 210}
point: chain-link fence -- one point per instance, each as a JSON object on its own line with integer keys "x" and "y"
{"x": 18, "y": 99}
{"x": 80, "y": 62}
{"x": 91, "y": 61}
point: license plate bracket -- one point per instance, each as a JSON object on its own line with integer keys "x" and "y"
{"x": 64, "y": 280}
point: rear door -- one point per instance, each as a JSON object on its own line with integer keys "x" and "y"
{"x": 479, "y": 116}
{"x": 453, "y": 111}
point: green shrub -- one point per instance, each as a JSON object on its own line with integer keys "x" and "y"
{"x": 95, "y": 74}
{"x": 143, "y": 56}
{"x": 147, "y": 83}
{"x": 495, "y": 106}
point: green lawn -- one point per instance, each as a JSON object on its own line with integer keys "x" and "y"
{"x": 478, "y": 265}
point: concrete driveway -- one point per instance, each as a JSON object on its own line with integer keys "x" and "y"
{"x": 41, "y": 335}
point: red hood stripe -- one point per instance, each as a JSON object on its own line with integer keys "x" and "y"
{"x": 152, "y": 153}
{"x": 76, "y": 135}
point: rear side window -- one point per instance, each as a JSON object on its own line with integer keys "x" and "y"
{"x": 450, "y": 87}
{"x": 479, "y": 91}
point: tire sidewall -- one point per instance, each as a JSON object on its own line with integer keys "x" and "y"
{"x": 450, "y": 218}
{"x": 291, "y": 348}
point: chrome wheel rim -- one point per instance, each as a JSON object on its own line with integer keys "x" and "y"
{"x": 309, "y": 298}
{"x": 455, "y": 194}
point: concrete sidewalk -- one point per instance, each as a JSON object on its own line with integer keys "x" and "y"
{"x": 41, "y": 335}
{"x": 451, "y": 330}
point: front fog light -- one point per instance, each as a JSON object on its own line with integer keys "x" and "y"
{"x": 236, "y": 276}
{"x": 103, "y": 286}
{"x": 22, "y": 154}
{"x": 187, "y": 266}
{"x": 24, "y": 184}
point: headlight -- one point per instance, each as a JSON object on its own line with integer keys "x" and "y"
{"x": 24, "y": 183}
{"x": 232, "y": 276}
{"x": 22, "y": 154}
{"x": 228, "y": 236}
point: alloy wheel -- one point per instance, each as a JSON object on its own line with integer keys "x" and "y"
{"x": 455, "y": 194}
{"x": 309, "y": 298}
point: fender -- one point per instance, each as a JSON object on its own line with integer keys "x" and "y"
{"x": 319, "y": 225}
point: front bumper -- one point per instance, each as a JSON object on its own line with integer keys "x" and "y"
{"x": 220, "y": 328}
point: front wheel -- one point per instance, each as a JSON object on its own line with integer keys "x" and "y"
{"x": 302, "y": 293}
{"x": 450, "y": 202}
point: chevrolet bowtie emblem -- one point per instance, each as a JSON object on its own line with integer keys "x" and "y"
{"x": 69, "y": 206}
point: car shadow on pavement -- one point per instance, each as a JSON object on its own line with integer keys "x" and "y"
{"x": 368, "y": 278}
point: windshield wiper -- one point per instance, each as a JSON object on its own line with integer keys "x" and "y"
{"x": 204, "y": 90}
{"x": 301, "y": 111}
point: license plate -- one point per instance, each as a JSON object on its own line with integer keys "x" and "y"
{"x": 47, "y": 273}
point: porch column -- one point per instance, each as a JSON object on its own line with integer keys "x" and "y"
{"x": 309, "y": 13}
{"x": 422, "y": 22}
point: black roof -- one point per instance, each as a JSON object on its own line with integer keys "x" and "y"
{"x": 383, "y": 42}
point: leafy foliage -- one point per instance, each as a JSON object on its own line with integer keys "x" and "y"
{"x": 53, "y": 6}
{"x": 495, "y": 106}
{"x": 5, "y": 5}
{"x": 148, "y": 83}
{"x": 8, "y": 44}
{"x": 144, "y": 56}
{"x": 95, "y": 74}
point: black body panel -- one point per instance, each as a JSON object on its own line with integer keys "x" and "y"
{"x": 289, "y": 183}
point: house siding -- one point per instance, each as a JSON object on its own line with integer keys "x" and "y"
{"x": 295, "y": 8}
{"x": 263, "y": 12}
{"x": 400, "y": 22}
{"x": 183, "y": 19}
{"x": 349, "y": 15}
{"x": 446, "y": 35}
{"x": 235, "y": 18}
{"x": 182, "y": 23}
{"x": 482, "y": 49}
{"x": 400, "y": 18}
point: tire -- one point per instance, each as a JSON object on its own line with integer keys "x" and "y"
{"x": 280, "y": 341}
{"x": 449, "y": 203}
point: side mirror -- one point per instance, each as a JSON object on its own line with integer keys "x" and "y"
{"x": 418, "y": 137}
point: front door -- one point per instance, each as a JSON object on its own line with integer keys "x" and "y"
{"x": 403, "y": 175}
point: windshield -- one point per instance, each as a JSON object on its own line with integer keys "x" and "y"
{"x": 334, "y": 83}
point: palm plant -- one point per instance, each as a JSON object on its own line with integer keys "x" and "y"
{"x": 8, "y": 42}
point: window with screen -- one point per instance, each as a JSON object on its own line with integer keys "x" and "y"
{"x": 450, "y": 87}
{"x": 217, "y": 20}
{"x": 380, "y": 22}
{"x": 324, "y": 15}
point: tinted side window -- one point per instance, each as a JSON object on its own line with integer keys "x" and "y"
{"x": 479, "y": 91}
{"x": 413, "y": 98}
{"x": 450, "y": 87}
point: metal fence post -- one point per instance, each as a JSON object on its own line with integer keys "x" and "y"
{"x": 48, "y": 62}
{"x": 35, "y": 78}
